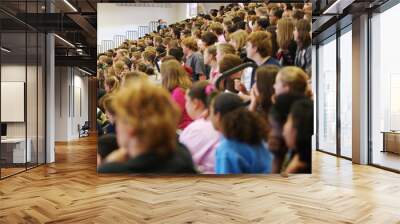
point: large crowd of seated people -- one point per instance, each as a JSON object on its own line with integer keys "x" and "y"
{"x": 171, "y": 102}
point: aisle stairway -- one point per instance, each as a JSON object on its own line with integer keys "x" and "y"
{"x": 129, "y": 34}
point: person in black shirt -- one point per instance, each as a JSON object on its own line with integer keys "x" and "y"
{"x": 147, "y": 120}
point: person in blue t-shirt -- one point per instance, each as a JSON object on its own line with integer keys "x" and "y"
{"x": 242, "y": 148}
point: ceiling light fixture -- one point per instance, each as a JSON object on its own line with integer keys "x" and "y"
{"x": 64, "y": 40}
{"x": 5, "y": 50}
{"x": 337, "y": 7}
{"x": 70, "y": 5}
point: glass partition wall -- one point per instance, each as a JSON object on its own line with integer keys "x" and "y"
{"x": 334, "y": 94}
{"x": 385, "y": 90}
{"x": 22, "y": 91}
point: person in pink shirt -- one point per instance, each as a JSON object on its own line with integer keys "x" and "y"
{"x": 177, "y": 81}
{"x": 200, "y": 137}
{"x": 210, "y": 59}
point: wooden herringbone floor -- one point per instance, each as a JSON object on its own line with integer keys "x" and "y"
{"x": 70, "y": 191}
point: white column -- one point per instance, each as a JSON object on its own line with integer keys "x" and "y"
{"x": 50, "y": 92}
{"x": 50, "y": 98}
{"x": 360, "y": 90}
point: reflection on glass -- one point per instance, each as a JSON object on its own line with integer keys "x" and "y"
{"x": 385, "y": 86}
{"x": 346, "y": 94}
{"x": 327, "y": 97}
{"x": 13, "y": 70}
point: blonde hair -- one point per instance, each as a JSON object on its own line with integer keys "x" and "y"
{"x": 107, "y": 103}
{"x": 226, "y": 48}
{"x": 284, "y": 33}
{"x": 112, "y": 82}
{"x": 295, "y": 78}
{"x": 262, "y": 41}
{"x": 190, "y": 43}
{"x": 149, "y": 55}
{"x": 239, "y": 37}
{"x": 174, "y": 75}
{"x": 118, "y": 66}
{"x": 150, "y": 111}
{"x": 263, "y": 11}
{"x": 217, "y": 28}
{"x": 134, "y": 76}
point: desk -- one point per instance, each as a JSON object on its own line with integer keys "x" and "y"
{"x": 13, "y": 150}
{"x": 391, "y": 141}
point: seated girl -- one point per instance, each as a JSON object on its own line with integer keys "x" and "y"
{"x": 277, "y": 118}
{"x": 291, "y": 79}
{"x": 110, "y": 114}
{"x": 176, "y": 81}
{"x": 147, "y": 119}
{"x": 262, "y": 90}
{"x": 242, "y": 148}
{"x": 211, "y": 60}
{"x": 297, "y": 133}
{"x": 111, "y": 84}
{"x": 200, "y": 137}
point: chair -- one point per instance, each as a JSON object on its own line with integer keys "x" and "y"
{"x": 84, "y": 130}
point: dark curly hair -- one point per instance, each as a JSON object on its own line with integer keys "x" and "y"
{"x": 244, "y": 126}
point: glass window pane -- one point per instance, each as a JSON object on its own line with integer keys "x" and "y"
{"x": 13, "y": 84}
{"x": 31, "y": 97}
{"x": 346, "y": 94}
{"x": 327, "y": 96}
{"x": 385, "y": 86}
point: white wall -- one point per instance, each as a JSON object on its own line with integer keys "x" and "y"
{"x": 33, "y": 127}
{"x": 208, "y": 6}
{"x": 71, "y": 96}
{"x": 116, "y": 19}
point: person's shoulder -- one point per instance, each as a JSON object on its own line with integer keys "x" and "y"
{"x": 227, "y": 145}
{"x": 112, "y": 168}
{"x": 273, "y": 61}
{"x": 181, "y": 161}
{"x": 192, "y": 129}
{"x": 178, "y": 91}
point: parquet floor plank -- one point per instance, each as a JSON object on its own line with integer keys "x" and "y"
{"x": 70, "y": 191}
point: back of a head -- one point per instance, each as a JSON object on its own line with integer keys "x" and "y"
{"x": 149, "y": 110}
{"x": 265, "y": 76}
{"x": 229, "y": 61}
{"x": 244, "y": 126}
{"x": 303, "y": 28}
{"x": 177, "y": 53}
{"x": 262, "y": 41}
{"x": 262, "y": 11}
{"x": 295, "y": 78}
{"x": 277, "y": 12}
{"x": 226, "y": 48}
{"x": 263, "y": 23}
{"x": 217, "y": 28}
{"x": 298, "y": 14}
{"x": 209, "y": 38}
{"x": 112, "y": 82}
{"x": 203, "y": 91}
{"x": 284, "y": 33}
{"x": 132, "y": 76}
{"x": 190, "y": 43}
{"x": 239, "y": 37}
{"x": 226, "y": 102}
{"x": 174, "y": 75}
